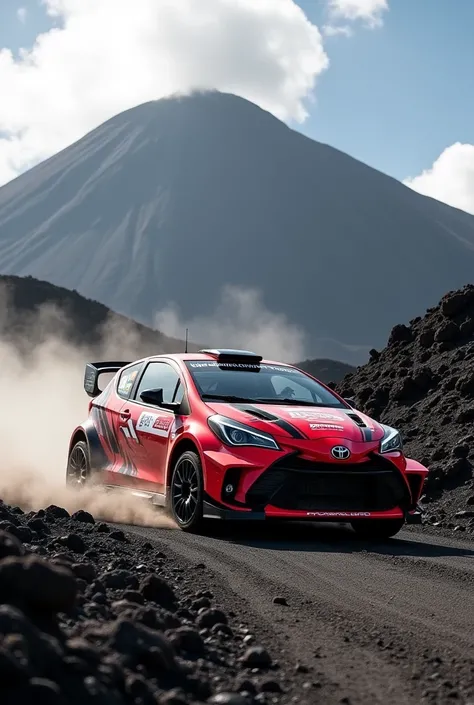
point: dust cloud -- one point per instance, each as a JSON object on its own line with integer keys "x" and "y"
{"x": 240, "y": 320}
{"x": 43, "y": 399}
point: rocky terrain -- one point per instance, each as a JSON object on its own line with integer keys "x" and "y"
{"x": 95, "y": 613}
{"x": 423, "y": 384}
{"x": 89, "y": 614}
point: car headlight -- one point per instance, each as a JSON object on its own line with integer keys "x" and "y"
{"x": 391, "y": 440}
{"x": 234, "y": 433}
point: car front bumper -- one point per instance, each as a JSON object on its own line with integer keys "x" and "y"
{"x": 293, "y": 487}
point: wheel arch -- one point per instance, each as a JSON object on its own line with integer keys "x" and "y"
{"x": 181, "y": 447}
{"x": 87, "y": 432}
{"x": 78, "y": 435}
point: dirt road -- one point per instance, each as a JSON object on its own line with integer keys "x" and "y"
{"x": 383, "y": 623}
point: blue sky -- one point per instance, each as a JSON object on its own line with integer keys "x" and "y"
{"x": 397, "y": 96}
{"x": 394, "y": 97}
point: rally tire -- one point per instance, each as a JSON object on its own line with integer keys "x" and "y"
{"x": 377, "y": 529}
{"x": 78, "y": 472}
{"x": 185, "y": 500}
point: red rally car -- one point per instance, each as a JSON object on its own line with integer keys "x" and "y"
{"x": 225, "y": 434}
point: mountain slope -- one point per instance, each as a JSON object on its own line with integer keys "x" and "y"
{"x": 31, "y": 311}
{"x": 171, "y": 200}
{"x": 327, "y": 370}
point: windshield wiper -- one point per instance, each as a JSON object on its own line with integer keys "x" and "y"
{"x": 225, "y": 397}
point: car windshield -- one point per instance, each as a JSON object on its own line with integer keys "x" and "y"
{"x": 266, "y": 384}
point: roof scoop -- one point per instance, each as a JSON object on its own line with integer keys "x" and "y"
{"x": 237, "y": 356}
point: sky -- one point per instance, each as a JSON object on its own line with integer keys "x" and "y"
{"x": 390, "y": 82}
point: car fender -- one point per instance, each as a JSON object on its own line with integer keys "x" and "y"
{"x": 415, "y": 466}
{"x": 97, "y": 454}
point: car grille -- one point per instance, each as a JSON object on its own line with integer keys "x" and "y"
{"x": 295, "y": 483}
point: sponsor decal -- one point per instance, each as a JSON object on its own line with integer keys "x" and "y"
{"x": 325, "y": 427}
{"x": 338, "y": 514}
{"x": 312, "y": 415}
{"x": 156, "y": 424}
{"x": 243, "y": 366}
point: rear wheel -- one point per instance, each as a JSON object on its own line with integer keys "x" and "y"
{"x": 377, "y": 529}
{"x": 186, "y": 492}
{"x": 78, "y": 466}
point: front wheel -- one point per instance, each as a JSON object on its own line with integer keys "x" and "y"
{"x": 377, "y": 529}
{"x": 78, "y": 465}
{"x": 186, "y": 492}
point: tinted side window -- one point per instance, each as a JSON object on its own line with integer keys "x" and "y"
{"x": 126, "y": 380}
{"x": 160, "y": 375}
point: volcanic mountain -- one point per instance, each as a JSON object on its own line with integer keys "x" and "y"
{"x": 172, "y": 200}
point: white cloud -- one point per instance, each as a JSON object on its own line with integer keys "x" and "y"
{"x": 369, "y": 12}
{"x": 22, "y": 14}
{"x": 450, "y": 179}
{"x": 330, "y": 30}
{"x": 105, "y": 56}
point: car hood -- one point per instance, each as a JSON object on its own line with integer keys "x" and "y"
{"x": 312, "y": 422}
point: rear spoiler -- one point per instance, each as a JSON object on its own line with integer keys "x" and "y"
{"x": 93, "y": 372}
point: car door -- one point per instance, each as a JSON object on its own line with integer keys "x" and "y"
{"x": 151, "y": 427}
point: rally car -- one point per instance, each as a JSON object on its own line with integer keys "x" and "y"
{"x": 224, "y": 434}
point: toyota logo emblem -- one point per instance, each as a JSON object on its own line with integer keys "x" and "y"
{"x": 340, "y": 452}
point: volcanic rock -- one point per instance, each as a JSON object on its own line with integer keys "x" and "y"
{"x": 256, "y": 657}
{"x": 423, "y": 384}
{"x": 69, "y": 637}
{"x": 36, "y": 583}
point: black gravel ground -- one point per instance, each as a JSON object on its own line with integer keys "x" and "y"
{"x": 89, "y": 614}
{"x": 107, "y": 615}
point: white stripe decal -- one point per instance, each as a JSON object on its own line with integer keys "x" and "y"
{"x": 132, "y": 430}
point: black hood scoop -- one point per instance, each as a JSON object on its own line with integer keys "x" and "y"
{"x": 254, "y": 411}
{"x": 366, "y": 431}
{"x": 267, "y": 416}
{"x": 360, "y": 422}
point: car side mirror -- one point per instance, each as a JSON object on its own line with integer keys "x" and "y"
{"x": 351, "y": 402}
{"x": 152, "y": 396}
{"x": 155, "y": 397}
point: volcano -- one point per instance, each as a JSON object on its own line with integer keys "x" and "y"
{"x": 170, "y": 201}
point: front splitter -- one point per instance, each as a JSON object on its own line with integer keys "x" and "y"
{"x": 213, "y": 510}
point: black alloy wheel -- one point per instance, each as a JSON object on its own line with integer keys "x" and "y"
{"x": 186, "y": 492}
